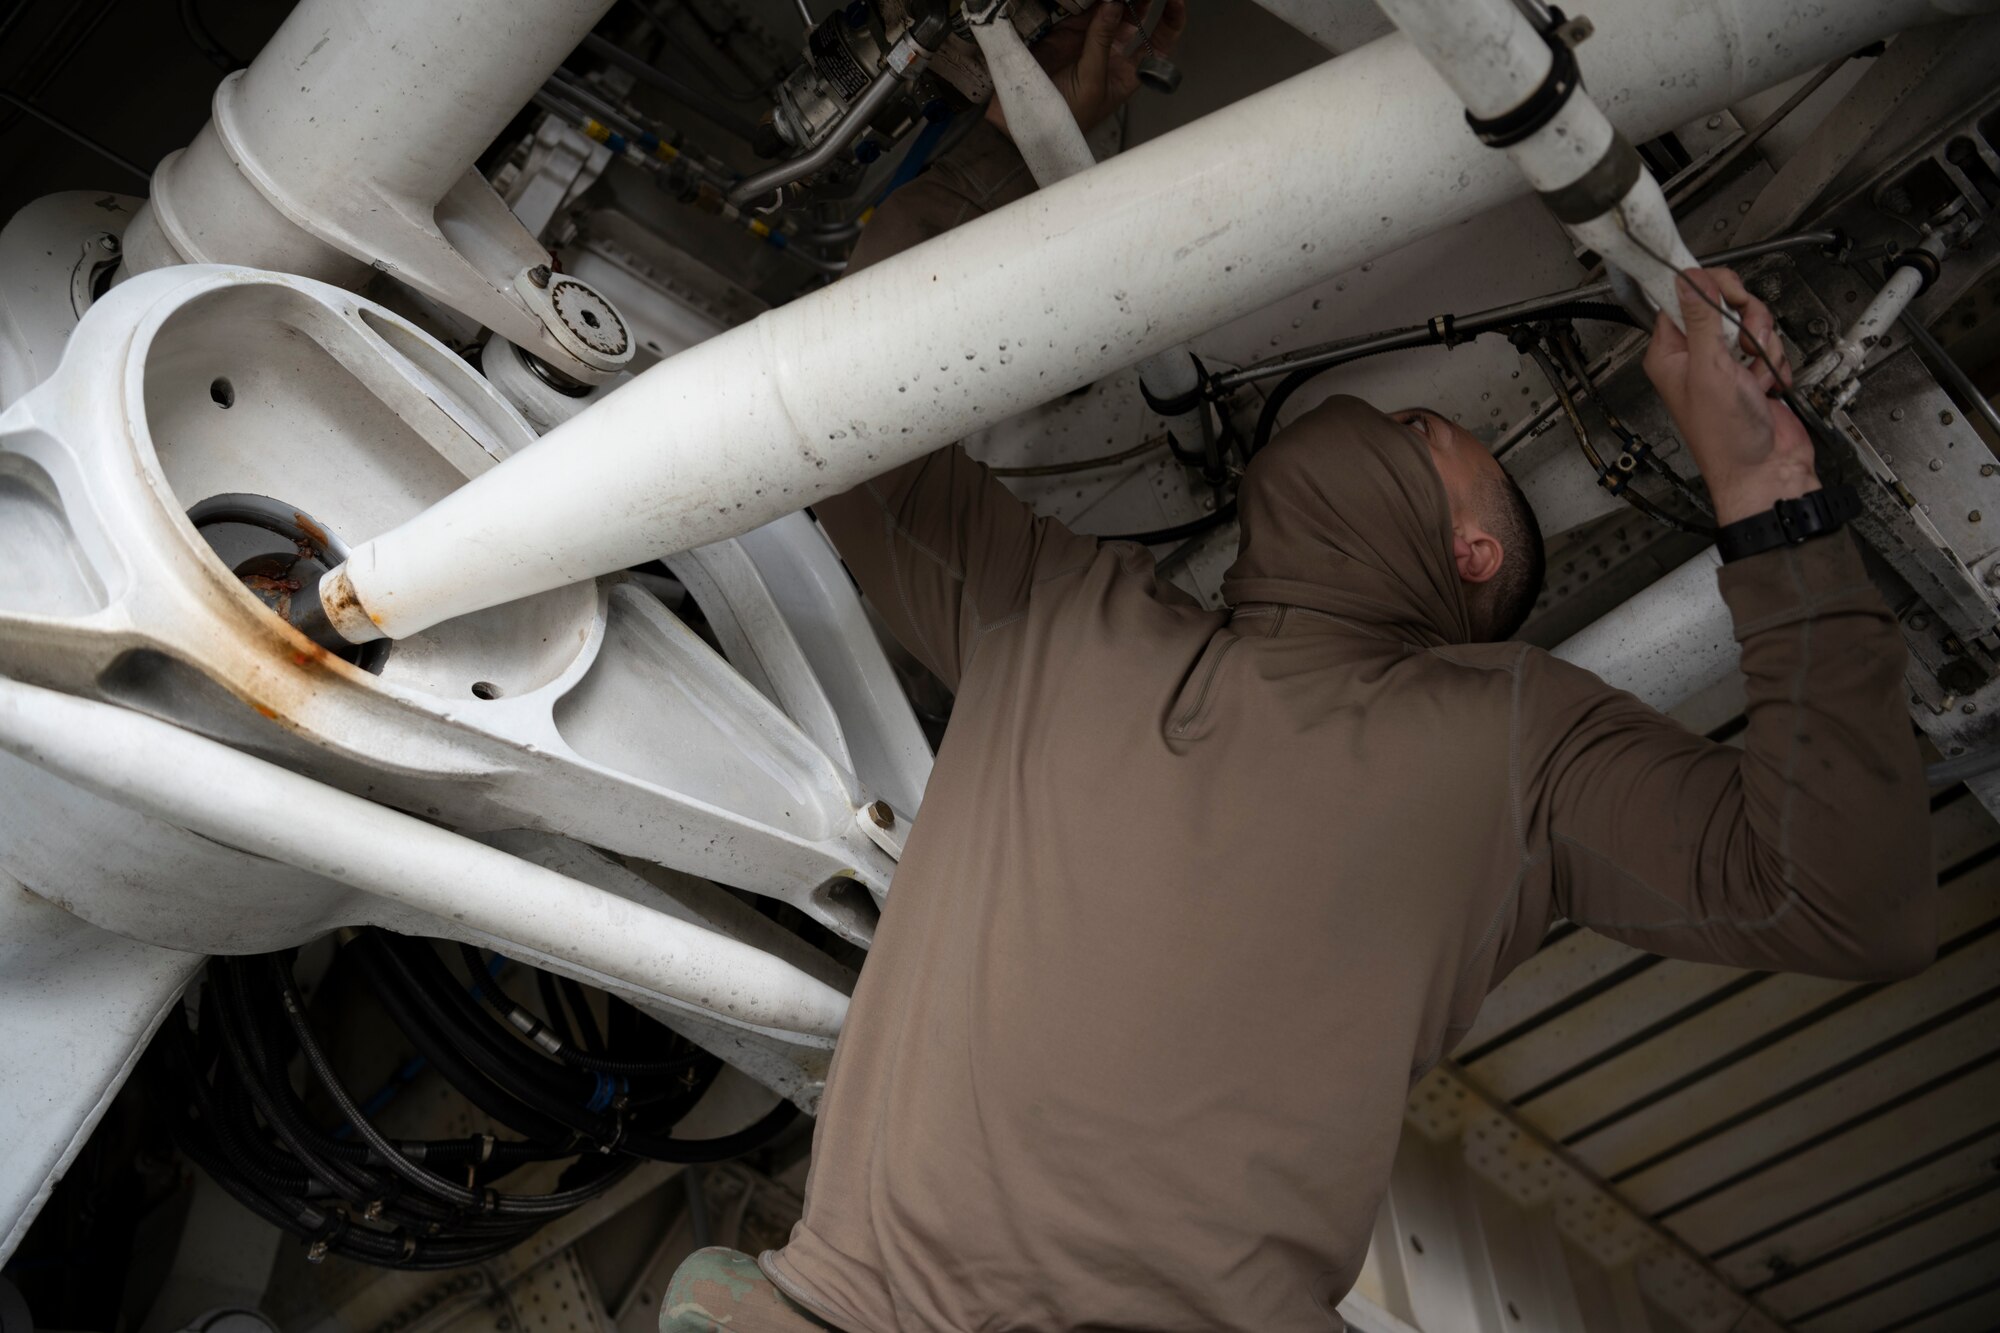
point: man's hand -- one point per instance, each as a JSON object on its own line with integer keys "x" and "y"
{"x": 1086, "y": 60}
{"x": 1751, "y": 450}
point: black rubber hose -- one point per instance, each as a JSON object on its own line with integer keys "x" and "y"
{"x": 443, "y": 989}
{"x": 1402, "y": 340}
{"x": 440, "y": 1044}
{"x": 245, "y": 1054}
{"x": 486, "y": 1200}
{"x": 568, "y": 1052}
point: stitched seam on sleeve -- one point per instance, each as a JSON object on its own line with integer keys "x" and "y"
{"x": 1507, "y": 903}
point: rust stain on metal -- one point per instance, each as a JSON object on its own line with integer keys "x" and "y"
{"x": 342, "y": 606}
{"x": 313, "y": 531}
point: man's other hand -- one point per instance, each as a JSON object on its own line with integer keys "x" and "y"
{"x": 1751, "y": 450}
{"x": 1086, "y": 59}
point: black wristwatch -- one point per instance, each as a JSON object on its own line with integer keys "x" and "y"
{"x": 1788, "y": 522}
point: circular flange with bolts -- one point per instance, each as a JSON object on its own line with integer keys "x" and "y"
{"x": 579, "y": 317}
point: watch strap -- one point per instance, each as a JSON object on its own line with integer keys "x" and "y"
{"x": 1788, "y": 522}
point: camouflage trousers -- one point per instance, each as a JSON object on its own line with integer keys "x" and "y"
{"x": 720, "y": 1289}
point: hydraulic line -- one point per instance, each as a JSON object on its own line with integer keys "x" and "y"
{"x": 551, "y": 1039}
{"x": 718, "y": 38}
{"x": 1448, "y": 331}
{"x": 1603, "y": 470}
{"x": 489, "y": 1200}
{"x": 649, "y": 151}
{"x": 692, "y": 98}
{"x": 397, "y": 1203}
{"x": 1444, "y": 331}
{"x": 1589, "y": 302}
{"x": 1563, "y": 339}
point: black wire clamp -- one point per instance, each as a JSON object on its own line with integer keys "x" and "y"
{"x": 1564, "y": 77}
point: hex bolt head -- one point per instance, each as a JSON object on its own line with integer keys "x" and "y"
{"x": 539, "y": 275}
{"x": 1715, "y": 122}
{"x": 883, "y": 816}
{"x": 109, "y": 243}
{"x": 1946, "y": 418}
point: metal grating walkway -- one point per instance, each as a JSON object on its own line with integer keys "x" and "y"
{"x": 1833, "y": 1148}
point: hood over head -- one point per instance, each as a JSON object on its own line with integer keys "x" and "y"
{"x": 1343, "y": 512}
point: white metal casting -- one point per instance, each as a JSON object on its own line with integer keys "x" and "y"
{"x": 347, "y": 146}
{"x": 588, "y": 714}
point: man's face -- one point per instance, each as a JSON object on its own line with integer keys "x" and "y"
{"x": 1471, "y": 478}
{"x": 1462, "y": 463}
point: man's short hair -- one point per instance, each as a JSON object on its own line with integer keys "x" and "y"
{"x": 1510, "y": 594}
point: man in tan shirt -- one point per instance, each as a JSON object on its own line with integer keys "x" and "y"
{"x": 1196, "y": 895}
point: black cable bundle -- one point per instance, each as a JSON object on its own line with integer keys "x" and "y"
{"x": 436, "y": 1203}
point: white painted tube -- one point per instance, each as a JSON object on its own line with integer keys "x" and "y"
{"x": 1846, "y": 356}
{"x": 1043, "y": 128}
{"x": 1040, "y": 124}
{"x": 1493, "y": 58}
{"x": 1667, "y": 644}
{"x": 1353, "y": 158}
{"x": 257, "y": 807}
{"x": 387, "y": 97}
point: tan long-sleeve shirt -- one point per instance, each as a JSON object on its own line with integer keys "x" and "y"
{"x": 1196, "y": 895}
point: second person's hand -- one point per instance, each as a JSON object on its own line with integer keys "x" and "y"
{"x": 1086, "y": 59}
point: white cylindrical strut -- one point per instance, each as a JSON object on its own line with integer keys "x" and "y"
{"x": 257, "y": 807}
{"x": 1667, "y": 644}
{"x": 1042, "y": 126}
{"x": 404, "y": 95}
{"x": 1906, "y": 279}
{"x": 348, "y": 146}
{"x": 1039, "y": 121}
{"x": 1353, "y": 158}
{"x": 397, "y": 97}
{"x": 1591, "y": 177}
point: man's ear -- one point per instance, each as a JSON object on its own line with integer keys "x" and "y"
{"x": 1477, "y": 553}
